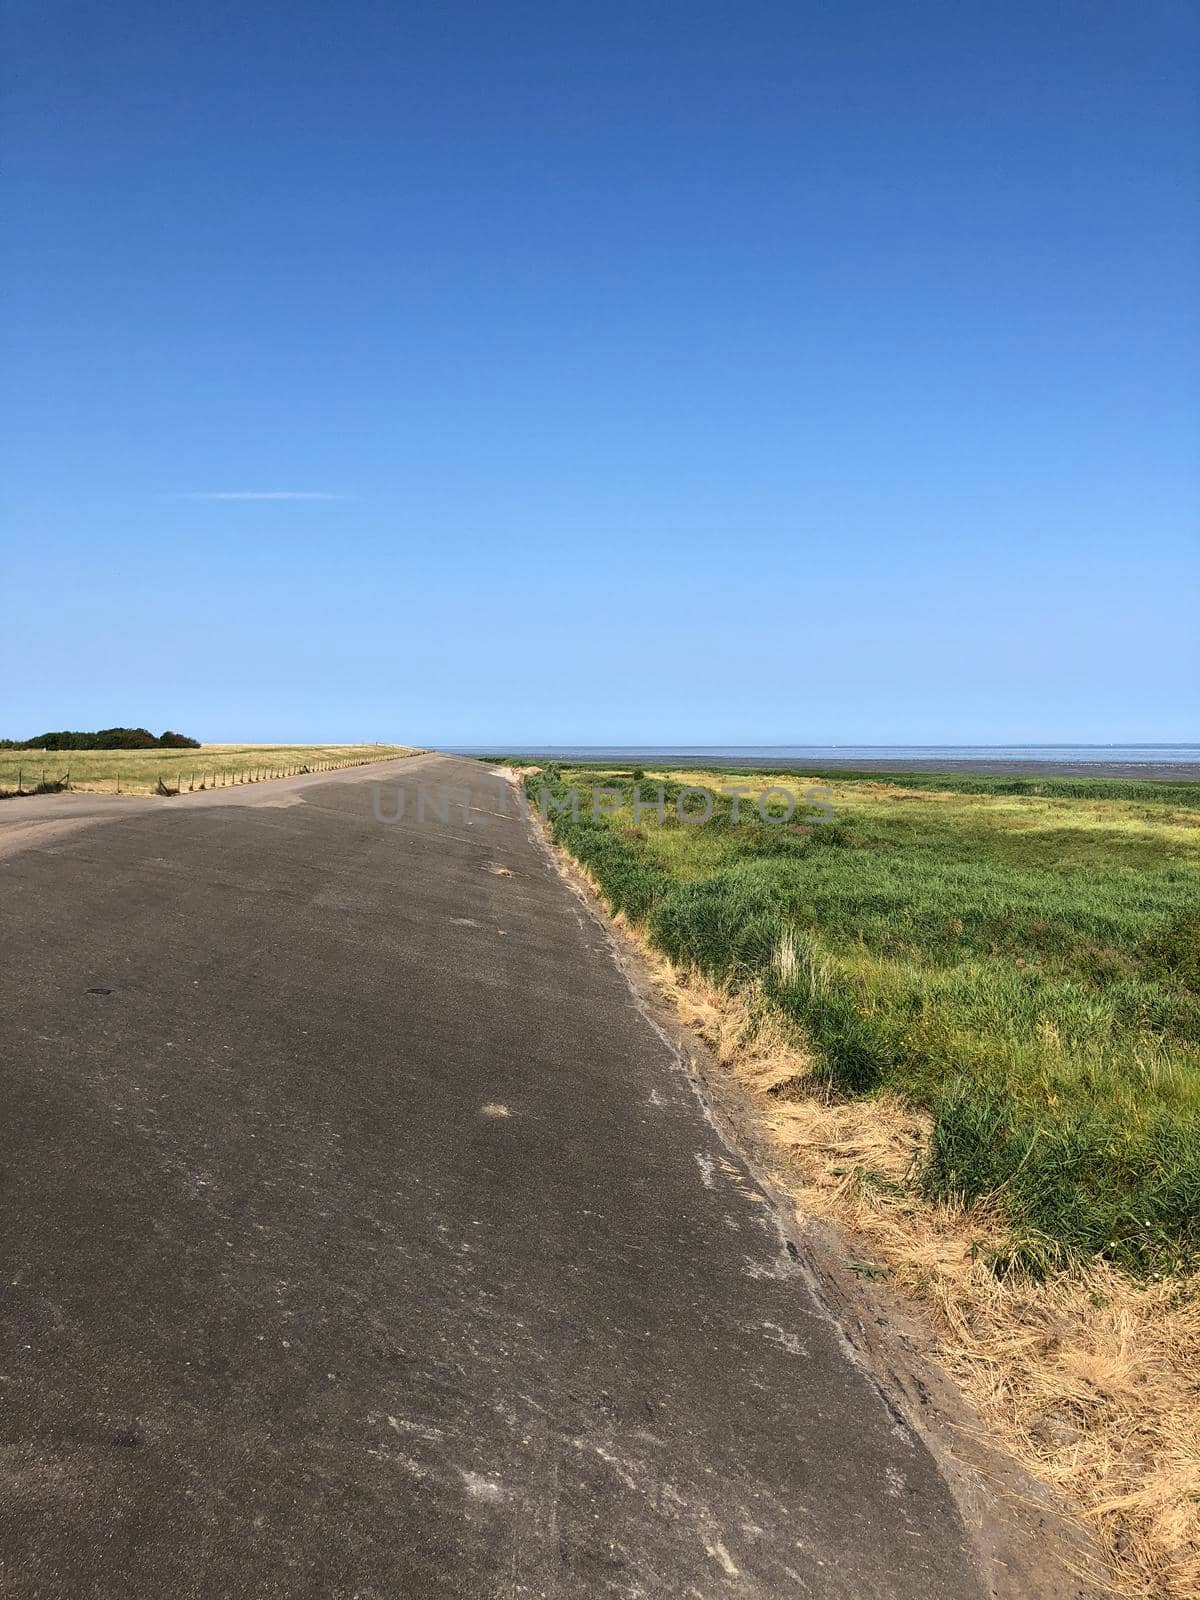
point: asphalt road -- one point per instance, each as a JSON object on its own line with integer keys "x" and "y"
{"x": 363, "y": 1237}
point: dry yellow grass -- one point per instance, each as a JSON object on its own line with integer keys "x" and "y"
{"x": 1089, "y": 1378}
{"x": 212, "y": 766}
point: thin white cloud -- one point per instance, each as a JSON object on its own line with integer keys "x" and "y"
{"x": 260, "y": 494}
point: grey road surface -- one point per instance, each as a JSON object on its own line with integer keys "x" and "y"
{"x": 363, "y": 1237}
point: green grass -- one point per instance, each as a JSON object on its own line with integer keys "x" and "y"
{"x": 1152, "y": 790}
{"x": 139, "y": 771}
{"x": 1025, "y": 965}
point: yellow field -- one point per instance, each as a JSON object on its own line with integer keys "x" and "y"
{"x": 212, "y": 766}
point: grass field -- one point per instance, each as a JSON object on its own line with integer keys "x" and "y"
{"x": 212, "y": 766}
{"x": 1026, "y": 965}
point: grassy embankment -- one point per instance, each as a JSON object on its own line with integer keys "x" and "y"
{"x": 212, "y": 766}
{"x": 969, "y": 1013}
{"x": 1025, "y": 965}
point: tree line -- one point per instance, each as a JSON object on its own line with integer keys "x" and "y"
{"x": 104, "y": 739}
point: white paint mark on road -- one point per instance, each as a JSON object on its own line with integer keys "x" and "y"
{"x": 420, "y": 1429}
{"x": 776, "y": 1270}
{"x": 621, "y": 1468}
{"x": 786, "y": 1341}
{"x": 708, "y": 1169}
{"x": 719, "y": 1553}
{"x": 398, "y": 1458}
{"x": 494, "y": 1109}
{"x": 481, "y": 1488}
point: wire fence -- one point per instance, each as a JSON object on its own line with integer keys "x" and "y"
{"x": 28, "y": 779}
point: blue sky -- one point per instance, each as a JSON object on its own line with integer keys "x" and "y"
{"x": 549, "y": 372}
